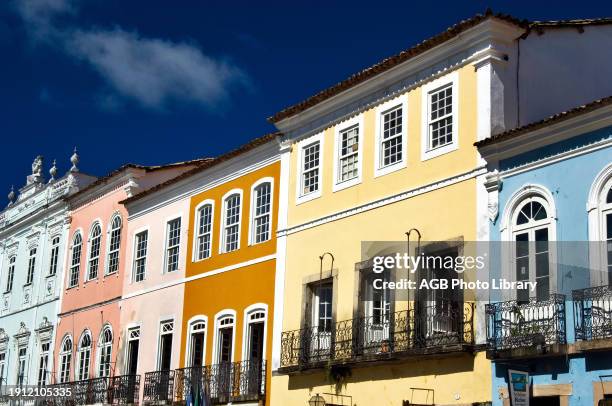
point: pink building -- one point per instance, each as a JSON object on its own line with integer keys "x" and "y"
{"x": 88, "y": 338}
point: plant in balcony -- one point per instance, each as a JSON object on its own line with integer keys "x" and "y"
{"x": 338, "y": 375}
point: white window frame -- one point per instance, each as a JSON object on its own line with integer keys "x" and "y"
{"x": 76, "y": 266}
{"x": 379, "y": 169}
{"x": 597, "y": 208}
{"x": 161, "y": 333}
{"x": 252, "y": 229}
{"x": 134, "y": 254}
{"x": 223, "y": 219}
{"x": 356, "y": 121}
{"x": 200, "y": 318}
{"x": 166, "y": 257}
{"x": 128, "y": 337}
{"x": 81, "y": 353}
{"x": 451, "y": 79}
{"x": 45, "y": 360}
{"x": 109, "y": 240}
{"x": 10, "y": 273}
{"x": 3, "y": 361}
{"x": 299, "y": 196}
{"x": 22, "y": 378}
{"x": 101, "y": 346}
{"x": 62, "y": 354}
{"x": 90, "y": 238}
{"x": 218, "y": 317}
{"x": 254, "y": 308}
{"x": 196, "y": 226}
{"x": 55, "y": 249}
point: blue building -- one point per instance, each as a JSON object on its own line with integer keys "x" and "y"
{"x": 550, "y": 205}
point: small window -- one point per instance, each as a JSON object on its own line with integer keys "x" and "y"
{"x": 105, "y": 352}
{"x": 31, "y": 266}
{"x": 262, "y": 201}
{"x": 114, "y": 245}
{"x": 75, "y": 264}
{"x": 94, "y": 252}
{"x": 441, "y": 117}
{"x": 204, "y": 231}
{"x": 348, "y": 167}
{"x": 231, "y": 230}
{"x": 65, "y": 360}
{"x": 140, "y": 259}
{"x": 391, "y": 148}
{"x": 310, "y": 168}
{"x": 173, "y": 241}
{"x": 10, "y": 277}
{"x": 54, "y": 256}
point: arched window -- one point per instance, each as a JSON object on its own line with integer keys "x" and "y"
{"x": 95, "y": 239}
{"x": 225, "y": 338}
{"x": 531, "y": 232}
{"x": 114, "y": 244}
{"x": 254, "y": 333}
{"x": 261, "y": 212}
{"x": 231, "y": 222}
{"x": 197, "y": 342}
{"x": 204, "y": 231}
{"x": 75, "y": 262}
{"x": 54, "y": 256}
{"x": 606, "y": 226}
{"x": 104, "y": 352}
{"x": 84, "y": 356}
{"x": 65, "y": 360}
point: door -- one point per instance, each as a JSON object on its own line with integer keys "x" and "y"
{"x": 133, "y": 357}
{"x": 321, "y": 321}
{"x": 226, "y": 338}
{"x": 256, "y": 356}
{"x": 197, "y": 349}
{"x": 376, "y": 325}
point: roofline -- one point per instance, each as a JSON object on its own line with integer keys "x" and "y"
{"x": 549, "y": 121}
{"x": 420, "y": 48}
{"x": 206, "y": 165}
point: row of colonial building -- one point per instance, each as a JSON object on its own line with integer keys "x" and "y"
{"x": 250, "y": 273}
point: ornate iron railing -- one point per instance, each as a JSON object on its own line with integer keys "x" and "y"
{"x": 223, "y": 383}
{"x": 515, "y": 324}
{"x": 426, "y": 325}
{"x": 90, "y": 391}
{"x": 158, "y": 387}
{"x": 593, "y": 313}
{"x": 124, "y": 390}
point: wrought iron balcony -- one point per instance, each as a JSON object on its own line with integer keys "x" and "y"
{"x": 158, "y": 387}
{"x": 224, "y": 382}
{"x": 436, "y": 327}
{"x": 89, "y": 391}
{"x": 117, "y": 390}
{"x": 515, "y": 324}
{"x": 124, "y": 390}
{"x": 593, "y": 313}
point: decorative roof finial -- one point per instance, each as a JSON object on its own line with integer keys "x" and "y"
{"x": 74, "y": 159}
{"x": 11, "y": 195}
{"x": 53, "y": 172}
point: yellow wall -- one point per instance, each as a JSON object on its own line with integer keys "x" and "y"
{"x": 443, "y": 214}
{"x": 238, "y": 288}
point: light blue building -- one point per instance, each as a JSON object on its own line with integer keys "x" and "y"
{"x": 33, "y": 230}
{"x": 550, "y": 206}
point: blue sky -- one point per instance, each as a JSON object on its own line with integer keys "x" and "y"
{"x": 158, "y": 81}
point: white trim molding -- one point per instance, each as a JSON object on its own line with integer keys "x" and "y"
{"x": 246, "y": 322}
{"x": 190, "y": 323}
{"x": 399, "y": 101}
{"x": 303, "y": 144}
{"x": 341, "y": 127}
{"x": 252, "y": 207}
{"x": 239, "y": 192}
{"x": 196, "y": 229}
{"x": 596, "y": 205}
{"x": 221, "y": 315}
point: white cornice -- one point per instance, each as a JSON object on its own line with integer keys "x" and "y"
{"x": 550, "y": 134}
{"x": 110, "y": 185}
{"x": 491, "y": 36}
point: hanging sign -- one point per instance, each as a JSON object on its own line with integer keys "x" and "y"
{"x": 518, "y": 382}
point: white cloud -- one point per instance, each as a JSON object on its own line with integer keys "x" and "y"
{"x": 152, "y": 72}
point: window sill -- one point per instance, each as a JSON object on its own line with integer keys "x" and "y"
{"x": 434, "y": 153}
{"x": 116, "y": 273}
{"x": 308, "y": 197}
{"x": 346, "y": 184}
{"x": 196, "y": 260}
{"x": 389, "y": 169}
{"x": 25, "y": 285}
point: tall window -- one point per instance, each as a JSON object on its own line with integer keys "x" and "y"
{"x": 391, "y": 143}
{"x": 310, "y": 168}
{"x": 196, "y": 344}
{"x": 225, "y": 339}
{"x": 607, "y": 222}
{"x": 54, "y": 256}
{"x": 114, "y": 244}
{"x": 140, "y": 259}
{"x": 84, "y": 356}
{"x": 348, "y": 167}
{"x": 322, "y": 306}
{"x": 133, "y": 349}
{"x": 10, "y": 274}
{"x": 531, "y": 231}
{"x": 65, "y": 360}
{"x": 2, "y": 366}
{"x": 173, "y": 242}
{"x": 22, "y": 356}
{"x": 231, "y": 229}
{"x": 75, "y": 262}
{"x": 204, "y": 231}
{"x": 262, "y": 200}
{"x": 441, "y": 116}
{"x": 43, "y": 364}
{"x": 94, "y": 251}
{"x": 31, "y": 266}
{"x": 105, "y": 352}
{"x": 255, "y": 331}
{"x": 166, "y": 329}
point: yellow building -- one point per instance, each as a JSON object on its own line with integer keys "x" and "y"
{"x": 388, "y": 150}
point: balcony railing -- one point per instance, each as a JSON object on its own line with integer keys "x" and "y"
{"x": 515, "y": 324}
{"x": 435, "y": 327}
{"x": 158, "y": 387}
{"x": 593, "y": 313}
{"x": 224, "y": 382}
{"x": 89, "y": 391}
{"x": 117, "y": 390}
{"x": 124, "y": 390}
